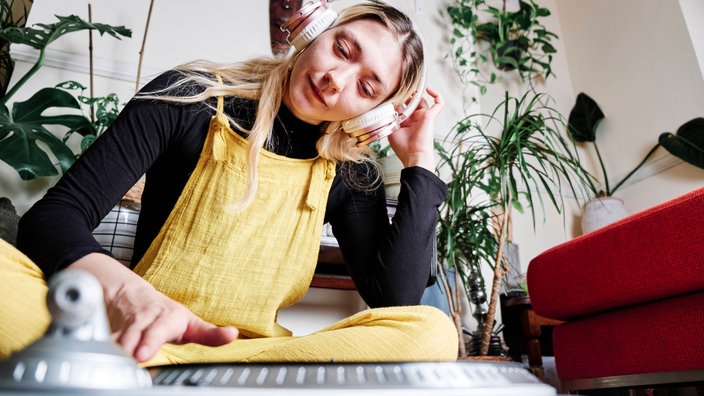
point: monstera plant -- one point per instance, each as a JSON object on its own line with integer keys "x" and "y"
{"x": 29, "y": 122}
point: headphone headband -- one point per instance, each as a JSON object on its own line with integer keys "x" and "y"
{"x": 312, "y": 19}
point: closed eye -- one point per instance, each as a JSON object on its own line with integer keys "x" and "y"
{"x": 344, "y": 53}
{"x": 341, "y": 50}
{"x": 348, "y": 48}
{"x": 366, "y": 89}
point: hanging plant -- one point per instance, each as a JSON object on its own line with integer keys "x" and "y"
{"x": 511, "y": 41}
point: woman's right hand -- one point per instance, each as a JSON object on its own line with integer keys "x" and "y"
{"x": 142, "y": 318}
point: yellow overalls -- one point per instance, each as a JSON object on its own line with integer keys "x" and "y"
{"x": 238, "y": 268}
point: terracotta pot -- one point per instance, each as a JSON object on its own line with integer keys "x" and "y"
{"x": 601, "y": 212}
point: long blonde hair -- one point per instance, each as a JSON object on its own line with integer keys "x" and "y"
{"x": 264, "y": 80}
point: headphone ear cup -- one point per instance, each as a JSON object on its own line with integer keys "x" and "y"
{"x": 311, "y": 26}
{"x": 384, "y": 114}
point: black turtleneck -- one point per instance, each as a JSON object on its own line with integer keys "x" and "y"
{"x": 389, "y": 263}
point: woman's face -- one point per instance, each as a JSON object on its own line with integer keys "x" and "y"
{"x": 344, "y": 72}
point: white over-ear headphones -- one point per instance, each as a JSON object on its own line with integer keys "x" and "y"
{"x": 309, "y": 22}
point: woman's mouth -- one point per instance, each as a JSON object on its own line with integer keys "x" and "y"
{"x": 316, "y": 93}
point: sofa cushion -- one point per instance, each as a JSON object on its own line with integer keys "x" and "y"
{"x": 651, "y": 255}
{"x": 658, "y": 337}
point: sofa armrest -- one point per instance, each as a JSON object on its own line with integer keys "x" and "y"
{"x": 653, "y": 254}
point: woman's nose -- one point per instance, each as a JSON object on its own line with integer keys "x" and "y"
{"x": 338, "y": 79}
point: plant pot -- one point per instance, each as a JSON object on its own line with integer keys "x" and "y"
{"x": 391, "y": 167}
{"x": 600, "y": 212}
{"x": 8, "y": 221}
{"x": 496, "y": 346}
{"x": 509, "y": 49}
{"x": 117, "y": 230}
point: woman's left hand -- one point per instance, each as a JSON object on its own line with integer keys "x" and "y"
{"x": 413, "y": 143}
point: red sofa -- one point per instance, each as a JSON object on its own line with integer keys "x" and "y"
{"x": 632, "y": 298}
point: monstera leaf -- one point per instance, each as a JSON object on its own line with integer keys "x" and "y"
{"x": 687, "y": 143}
{"x": 41, "y": 35}
{"x": 21, "y": 130}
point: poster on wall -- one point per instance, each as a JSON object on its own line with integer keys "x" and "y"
{"x": 279, "y": 12}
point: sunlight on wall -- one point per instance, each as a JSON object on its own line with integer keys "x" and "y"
{"x": 693, "y": 13}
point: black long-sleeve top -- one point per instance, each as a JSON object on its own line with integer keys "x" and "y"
{"x": 390, "y": 264}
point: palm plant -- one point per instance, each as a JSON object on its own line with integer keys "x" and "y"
{"x": 465, "y": 237}
{"x": 528, "y": 160}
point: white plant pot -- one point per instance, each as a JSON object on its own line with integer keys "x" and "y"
{"x": 391, "y": 167}
{"x": 601, "y": 212}
{"x": 116, "y": 232}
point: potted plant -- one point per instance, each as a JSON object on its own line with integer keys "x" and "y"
{"x": 12, "y": 13}
{"x": 465, "y": 237}
{"x": 512, "y": 40}
{"x": 687, "y": 144}
{"x": 390, "y": 166}
{"x": 515, "y": 158}
{"x": 103, "y": 111}
{"x": 52, "y": 109}
{"x": 531, "y": 158}
{"x": 25, "y": 124}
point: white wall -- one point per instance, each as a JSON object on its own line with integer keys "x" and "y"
{"x": 693, "y": 12}
{"x": 634, "y": 57}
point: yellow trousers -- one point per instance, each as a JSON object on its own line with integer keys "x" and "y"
{"x": 415, "y": 333}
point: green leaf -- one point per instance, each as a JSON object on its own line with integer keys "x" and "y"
{"x": 584, "y": 119}
{"x": 27, "y": 126}
{"x": 548, "y": 48}
{"x": 20, "y": 150}
{"x": 41, "y": 35}
{"x": 688, "y": 143}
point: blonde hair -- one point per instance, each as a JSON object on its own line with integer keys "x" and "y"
{"x": 264, "y": 80}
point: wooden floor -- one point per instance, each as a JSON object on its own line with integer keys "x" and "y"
{"x": 675, "y": 383}
{"x": 678, "y": 390}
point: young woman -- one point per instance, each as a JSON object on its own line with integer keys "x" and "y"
{"x": 244, "y": 164}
